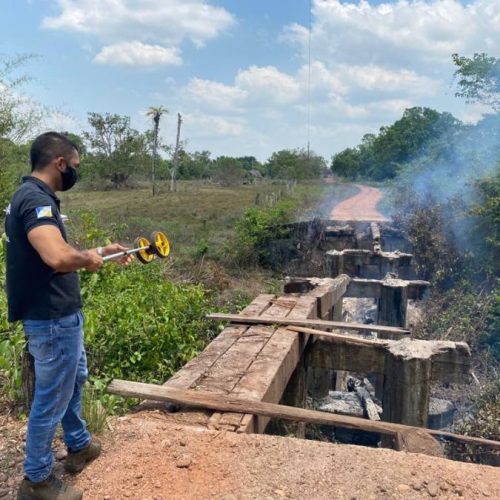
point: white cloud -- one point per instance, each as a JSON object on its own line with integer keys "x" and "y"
{"x": 214, "y": 94}
{"x": 137, "y": 54}
{"x": 160, "y": 25}
{"x": 403, "y": 33}
{"x": 204, "y": 125}
{"x": 169, "y": 21}
{"x": 376, "y": 78}
{"x": 268, "y": 83}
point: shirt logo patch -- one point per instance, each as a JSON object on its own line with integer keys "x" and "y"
{"x": 7, "y": 210}
{"x": 44, "y": 212}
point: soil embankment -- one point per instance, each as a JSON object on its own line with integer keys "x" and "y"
{"x": 360, "y": 207}
{"x": 150, "y": 456}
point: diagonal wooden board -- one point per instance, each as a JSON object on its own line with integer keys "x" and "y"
{"x": 223, "y": 403}
{"x": 236, "y": 318}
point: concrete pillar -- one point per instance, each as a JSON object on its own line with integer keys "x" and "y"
{"x": 334, "y": 263}
{"x": 393, "y": 303}
{"x": 392, "y": 306}
{"x": 406, "y": 389}
{"x": 340, "y": 375}
{"x": 295, "y": 395}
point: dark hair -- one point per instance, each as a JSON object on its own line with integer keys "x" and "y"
{"x": 48, "y": 146}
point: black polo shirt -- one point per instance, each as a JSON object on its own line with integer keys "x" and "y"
{"x": 35, "y": 290}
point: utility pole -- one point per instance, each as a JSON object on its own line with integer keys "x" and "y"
{"x": 173, "y": 183}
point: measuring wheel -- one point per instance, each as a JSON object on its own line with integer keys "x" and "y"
{"x": 159, "y": 244}
{"x": 144, "y": 251}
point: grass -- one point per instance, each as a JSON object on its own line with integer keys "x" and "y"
{"x": 196, "y": 213}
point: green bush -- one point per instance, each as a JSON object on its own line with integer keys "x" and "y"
{"x": 485, "y": 415}
{"x": 11, "y": 344}
{"x": 257, "y": 228}
{"x": 140, "y": 326}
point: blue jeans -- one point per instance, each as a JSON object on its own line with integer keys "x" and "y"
{"x": 60, "y": 373}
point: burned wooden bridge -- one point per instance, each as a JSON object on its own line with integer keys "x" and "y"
{"x": 278, "y": 347}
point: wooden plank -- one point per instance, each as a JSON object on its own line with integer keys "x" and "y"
{"x": 194, "y": 369}
{"x": 237, "y": 405}
{"x": 266, "y": 379}
{"x": 225, "y": 373}
{"x": 395, "y": 332}
{"x": 328, "y": 292}
{"x": 241, "y": 359}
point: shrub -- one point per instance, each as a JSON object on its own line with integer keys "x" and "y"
{"x": 139, "y": 326}
{"x": 257, "y": 228}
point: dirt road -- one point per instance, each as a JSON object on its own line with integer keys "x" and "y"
{"x": 153, "y": 456}
{"x": 149, "y": 457}
{"x": 361, "y": 207}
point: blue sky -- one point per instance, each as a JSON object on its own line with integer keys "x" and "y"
{"x": 237, "y": 70}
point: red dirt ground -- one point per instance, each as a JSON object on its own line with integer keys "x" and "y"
{"x": 150, "y": 457}
{"x": 360, "y": 207}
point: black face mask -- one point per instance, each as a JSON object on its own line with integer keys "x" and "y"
{"x": 69, "y": 178}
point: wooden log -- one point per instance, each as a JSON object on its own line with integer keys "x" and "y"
{"x": 372, "y": 410}
{"x": 340, "y": 337}
{"x": 218, "y": 402}
{"x": 394, "y": 332}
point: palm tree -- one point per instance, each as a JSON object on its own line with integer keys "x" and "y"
{"x": 155, "y": 112}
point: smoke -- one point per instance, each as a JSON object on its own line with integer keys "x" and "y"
{"x": 449, "y": 167}
{"x": 445, "y": 174}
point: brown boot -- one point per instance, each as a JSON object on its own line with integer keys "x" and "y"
{"x": 75, "y": 462}
{"x": 50, "y": 489}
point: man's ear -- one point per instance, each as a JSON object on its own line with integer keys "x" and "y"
{"x": 60, "y": 163}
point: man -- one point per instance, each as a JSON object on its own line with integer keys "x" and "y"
{"x": 44, "y": 293}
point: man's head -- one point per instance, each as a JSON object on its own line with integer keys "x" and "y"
{"x": 55, "y": 157}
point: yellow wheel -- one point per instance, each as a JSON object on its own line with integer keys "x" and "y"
{"x": 145, "y": 256}
{"x": 159, "y": 244}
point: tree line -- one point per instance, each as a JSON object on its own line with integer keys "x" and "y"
{"x": 423, "y": 136}
{"x": 115, "y": 154}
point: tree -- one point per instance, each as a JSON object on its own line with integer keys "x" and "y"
{"x": 478, "y": 79}
{"x": 227, "y": 171}
{"x": 155, "y": 112}
{"x": 295, "y": 164}
{"x": 118, "y": 151}
{"x": 382, "y": 156}
{"x": 19, "y": 115}
{"x": 19, "y": 118}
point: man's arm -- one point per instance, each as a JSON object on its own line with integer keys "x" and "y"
{"x": 47, "y": 240}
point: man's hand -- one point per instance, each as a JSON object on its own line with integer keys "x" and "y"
{"x": 95, "y": 261}
{"x": 115, "y": 248}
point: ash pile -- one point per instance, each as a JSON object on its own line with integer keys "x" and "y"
{"x": 359, "y": 400}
